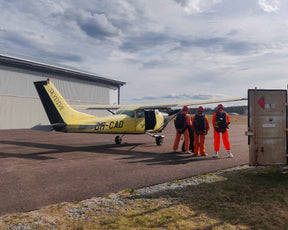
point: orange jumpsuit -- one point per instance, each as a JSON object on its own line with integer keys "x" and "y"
{"x": 188, "y": 122}
{"x": 199, "y": 139}
{"x": 225, "y": 135}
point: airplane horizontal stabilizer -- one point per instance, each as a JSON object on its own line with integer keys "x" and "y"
{"x": 45, "y": 128}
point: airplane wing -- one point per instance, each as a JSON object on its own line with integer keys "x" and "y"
{"x": 155, "y": 106}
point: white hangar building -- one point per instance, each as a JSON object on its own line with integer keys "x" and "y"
{"x": 20, "y": 106}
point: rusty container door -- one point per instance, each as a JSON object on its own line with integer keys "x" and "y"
{"x": 267, "y": 125}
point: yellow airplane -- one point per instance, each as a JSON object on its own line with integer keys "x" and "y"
{"x": 129, "y": 119}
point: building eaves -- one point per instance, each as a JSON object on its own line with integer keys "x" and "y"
{"x": 53, "y": 69}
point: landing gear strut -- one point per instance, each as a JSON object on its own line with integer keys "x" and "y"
{"x": 118, "y": 140}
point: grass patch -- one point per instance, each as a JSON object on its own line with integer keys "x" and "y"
{"x": 257, "y": 199}
{"x": 254, "y": 198}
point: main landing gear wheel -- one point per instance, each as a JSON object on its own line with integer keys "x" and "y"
{"x": 159, "y": 140}
{"x": 118, "y": 140}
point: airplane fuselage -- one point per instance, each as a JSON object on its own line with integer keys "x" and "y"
{"x": 133, "y": 122}
{"x": 64, "y": 118}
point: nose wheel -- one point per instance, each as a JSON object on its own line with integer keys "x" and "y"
{"x": 118, "y": 140}
{"x": 159, "y": 140}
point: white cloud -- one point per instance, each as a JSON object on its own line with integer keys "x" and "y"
{"x": 197, "y": 6}
{"x": 183, "y": 47}
{"x": 269, "y": 6}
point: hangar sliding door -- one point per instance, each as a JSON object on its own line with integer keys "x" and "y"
{"x": 267, "y": 126}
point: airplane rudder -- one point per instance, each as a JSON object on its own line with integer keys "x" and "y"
{"x": 52, "y": 112}
{"x": 54, "y": 103}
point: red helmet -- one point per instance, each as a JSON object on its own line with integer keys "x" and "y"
{"x": 201, "y": 109}
{"x": 220, "y": 106}
{"x": 185, "y": 108}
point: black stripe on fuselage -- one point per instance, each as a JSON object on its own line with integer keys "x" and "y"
{"x": 50, "y": 109}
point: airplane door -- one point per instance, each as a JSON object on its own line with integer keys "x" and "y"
{"x": 140, "y": 121}
{"x": 267, "y": 127}
{"x": 150, "y": 120}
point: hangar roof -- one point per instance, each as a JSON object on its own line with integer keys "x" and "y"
{"x": 53, "y": 69}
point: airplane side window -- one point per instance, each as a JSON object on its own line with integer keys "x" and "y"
{"x": 130, "y": 113}
{"x": 140, "y": 114}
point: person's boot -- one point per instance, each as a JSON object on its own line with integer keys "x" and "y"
{"x": 188, "y": 152}
{"x": 195, "y": 154}
{"x": 230, "y": 155}
{"x": 216, "y": 155}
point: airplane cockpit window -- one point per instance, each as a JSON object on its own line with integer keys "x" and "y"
{"x": 130, "y": 113}
{"x": 140, "y": 114}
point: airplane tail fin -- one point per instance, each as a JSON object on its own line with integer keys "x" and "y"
{"x": 57, "y": 109}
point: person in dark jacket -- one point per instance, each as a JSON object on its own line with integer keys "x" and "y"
{"x": 200, "y": 127}
{"x": 182, "y": 129}
{"x": 221, "y": 123}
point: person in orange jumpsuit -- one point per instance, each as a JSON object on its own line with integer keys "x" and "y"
{"x": 200, "y": 126}
{"x": 221, "y": 123}
{"x": 187, "y": 122}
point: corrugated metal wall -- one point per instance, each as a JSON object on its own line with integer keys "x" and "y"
{"x": 20, "y": 106}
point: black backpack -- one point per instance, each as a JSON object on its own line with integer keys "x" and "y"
{"x": 221, "y": 122}
{"x": 199, "y": 124}
{"x": 180, "y": 121}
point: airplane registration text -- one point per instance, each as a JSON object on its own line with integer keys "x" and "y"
{"x": 111, "y": 125}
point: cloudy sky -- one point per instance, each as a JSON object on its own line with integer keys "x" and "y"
{"x": 162, "y": 49}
